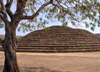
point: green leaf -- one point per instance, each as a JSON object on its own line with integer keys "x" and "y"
{"x": 87, "y": 25}
{"x": 93, "y": 25}
{"x": 40, "y": 19}
{"x": 98, "y": 25}
{"x": 83, "y": 10}
{"x": 47, "y": 29}
{"x": 94, "y": 13}
{"x": 92, "y": 28}
{"x": 65, "y": 24}
{"x": 73, "y": 23}
{"x": 1, "y": 25}
{"x": 19, "y": 29}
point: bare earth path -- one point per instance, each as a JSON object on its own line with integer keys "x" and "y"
{"x": 57, "y": 62}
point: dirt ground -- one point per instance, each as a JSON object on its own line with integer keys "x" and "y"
{"x": 56, "y": 62}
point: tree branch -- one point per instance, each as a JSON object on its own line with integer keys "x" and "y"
{"x": 2, "y": 42}
{"x": 2, "y": 4}
{"x": 2, "y": 10}
{"x": 8, "y": 5}
{"x": 37, "y": 13}
{"x": 24, "y": 3}
{"x": 62, "y": 8}
{"x": 1, "y": 17}
{"x": 19, "y": 5}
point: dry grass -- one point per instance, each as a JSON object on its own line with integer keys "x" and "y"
{"x": 57, "y": 62}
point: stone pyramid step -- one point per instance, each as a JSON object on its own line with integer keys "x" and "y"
{"x": 59, "y": 39}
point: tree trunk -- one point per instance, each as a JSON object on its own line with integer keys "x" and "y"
{"x": 10, "y": 51}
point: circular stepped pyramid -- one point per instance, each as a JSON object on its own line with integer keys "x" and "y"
{"x": 59, "y": 39}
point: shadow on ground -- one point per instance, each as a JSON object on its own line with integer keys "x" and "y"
{"x": 1, "y": 68}
{"x": 34, "y": 69}
{"x": 37, "y": 69}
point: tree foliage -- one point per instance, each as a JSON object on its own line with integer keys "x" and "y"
{"x": 65, "y": 11}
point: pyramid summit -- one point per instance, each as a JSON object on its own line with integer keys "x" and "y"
{"x": 59, "y": 39}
